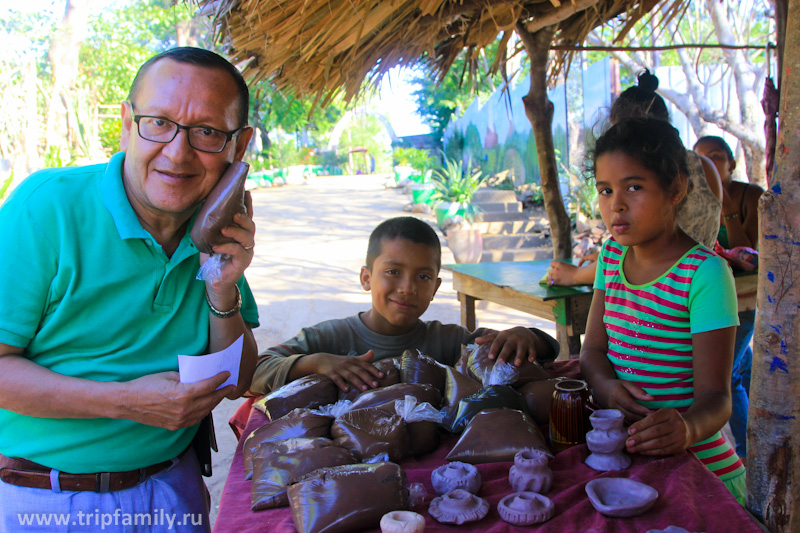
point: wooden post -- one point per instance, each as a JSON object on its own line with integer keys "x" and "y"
{"x": 773, "y": 427}
{"x": 540, "y": 112}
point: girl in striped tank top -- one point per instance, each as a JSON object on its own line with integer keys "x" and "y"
{"x": 660, "y": 334}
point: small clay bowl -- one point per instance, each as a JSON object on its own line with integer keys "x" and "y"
{"x": 402, "y": 522}
{"x": 526, "y": 508}
{"x": 458, "y": 507}
{"x": 456, "y": 475}
{"x": 620, "y": 496}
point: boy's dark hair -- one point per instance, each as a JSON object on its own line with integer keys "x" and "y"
{"x": 719, "y": 142}
{"x": 201, "y": 58}
{"x": 651, "y": 142}
{"x": 409, "y": 228}
{"x": 640, "y": 101}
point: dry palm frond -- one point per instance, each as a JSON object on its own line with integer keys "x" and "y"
{"x": 319, "y": 48}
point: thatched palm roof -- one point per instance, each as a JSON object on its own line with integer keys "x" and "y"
{"x": 317, "y": 47}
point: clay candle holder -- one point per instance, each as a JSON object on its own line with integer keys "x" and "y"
{"x": 607, "y": 440}
{"x": 526, "y": 508}
{"x": 456, "y": 475}
{"x": 530, "y": 472}
{"x": 458, "y": 507}
{"x": 402, "y": 522}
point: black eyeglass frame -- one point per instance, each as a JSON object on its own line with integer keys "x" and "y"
{"x": 228, "y": 134}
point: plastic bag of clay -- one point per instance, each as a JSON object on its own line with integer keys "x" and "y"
{"x": 457, "y": 386}
{"x": 422, "y": 425}
{"x": 496, "y": 435}
{"x": 391, "y": 376}
{"x": 376, "y": 397}
{"x": 276, "y": 464}
{"x": 309, "y": 392}
{"x": 537, "y": 397}
{"x": 224, "y": 201}
{"x": 370, "y": 432}
{"x": 415, "y": 367}
{"x": 478, "y": 365}
{"x": 347, "y": 498}
{"x": 491, "y": 397}
{"x": 502, "y": 373}
{"x": 300, "y": 423}
{"x": 334, "y": 410}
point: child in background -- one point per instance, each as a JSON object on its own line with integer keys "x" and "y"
{"x": 659, "y": 338}
{"x": 698, "y": 215}
{"x": 402, "y": 273}
{"x": 738, "y": 227}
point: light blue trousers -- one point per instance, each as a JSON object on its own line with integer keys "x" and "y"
{"x": 175, "y": 499}
{"x": 740, "y": 380}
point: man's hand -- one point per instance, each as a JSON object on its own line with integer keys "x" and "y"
{"x": 345, "y": 370}
{"x": 664, "y": 432}
{"x": 161, "y": 400}
{"x": 623, "y": 394}
{"x": 517, "y": 343}
{"x": 220, "y": 290}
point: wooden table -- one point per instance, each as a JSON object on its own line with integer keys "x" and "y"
{"x": 515, "y": 284}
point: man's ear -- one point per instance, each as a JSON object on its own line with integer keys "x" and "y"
{"x": 126, "y": 113}
{"x": 365, "y": 277}
{"x": 242, "y": 141}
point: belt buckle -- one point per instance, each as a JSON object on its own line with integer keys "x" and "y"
{"x": 103, "y": 481}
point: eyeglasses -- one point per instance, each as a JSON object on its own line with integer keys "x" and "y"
{"x": 163, "y": 130}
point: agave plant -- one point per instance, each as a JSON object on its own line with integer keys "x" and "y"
{"x": 455, "y": 185}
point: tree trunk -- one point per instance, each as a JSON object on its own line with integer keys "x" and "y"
{"x": 773, "y": 471}
{"x": 64, "y": 61}
{"x": 540, "y": 112}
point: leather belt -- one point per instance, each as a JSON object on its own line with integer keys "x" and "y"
{"x": 24, "y": 473}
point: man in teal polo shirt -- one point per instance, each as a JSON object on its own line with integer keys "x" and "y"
{"x": 97, "y": 278}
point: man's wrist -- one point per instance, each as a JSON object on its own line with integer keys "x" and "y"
{"x": 226, "y": 311}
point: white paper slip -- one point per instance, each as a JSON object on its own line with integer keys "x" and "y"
{"x": 193, "y": 368}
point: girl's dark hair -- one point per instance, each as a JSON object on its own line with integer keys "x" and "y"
{"x": 409, "y": 228}
{"x": 640, "y": 101}
{"x": 651, "y": 142}
{"x": 719, "y": 142}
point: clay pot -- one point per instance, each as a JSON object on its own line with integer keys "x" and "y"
{"x": 526, "y": 508}
{"x": 402, "y": 522}
{"x": 531, "y": 472}
{"x": 569, "y": 416}
{"x": 456, "y": 475}
{"x": 620, "y": 497}
{"x": 607, "y": 440}
{"x": 458, "y": 507}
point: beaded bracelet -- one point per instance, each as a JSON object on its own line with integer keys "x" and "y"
{"x": 225, "y": 314}
{"x": 732, "y": 215}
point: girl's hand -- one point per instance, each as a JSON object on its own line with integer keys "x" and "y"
{"x": 664, "y": 432}
{"x": 562, "y": 274}
{"x": 623, "y": 395}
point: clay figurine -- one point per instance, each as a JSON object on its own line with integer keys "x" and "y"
{"x": 607, "y": 440}
{"x": 620, "y": 497}
{"x": 458, "y": 507}
{"x": 526, "y": 508}
{"x": 402, "y": 522}
{"x": 530, "y": 472}
{"x": 456, "y": 475}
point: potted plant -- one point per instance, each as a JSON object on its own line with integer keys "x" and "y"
{"x": 455, "y": 212}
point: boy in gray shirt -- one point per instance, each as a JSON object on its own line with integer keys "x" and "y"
{"x": 403, "y": 261}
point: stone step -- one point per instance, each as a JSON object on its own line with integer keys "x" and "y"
{"x": 499, "y": 207}
{"x": 506, "y": 228}
{"x": 523, "y": 254}
{"x": 504, "y": 217}
{"x": 494, "y": 195}
{"x": 514, "y": 242}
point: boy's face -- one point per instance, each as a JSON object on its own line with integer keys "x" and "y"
{"x": 403, "y": 281}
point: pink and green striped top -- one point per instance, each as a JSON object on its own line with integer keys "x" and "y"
{"x": 650, "y": 329}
